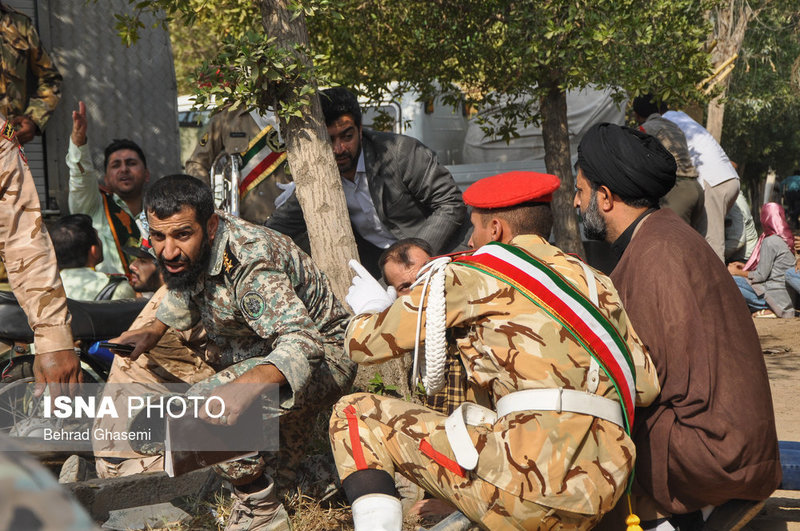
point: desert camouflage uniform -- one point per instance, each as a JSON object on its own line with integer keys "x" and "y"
{"x": 21, "y": 52}
{"x": 28, "y": 252}
{"x": 537, "y": 469}
{"x": 231, "y": 131}
{"x": 179, "y": 357}
{"x": 263, "y": 301}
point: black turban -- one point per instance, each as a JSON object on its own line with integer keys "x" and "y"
{"x": 633, "y": 165}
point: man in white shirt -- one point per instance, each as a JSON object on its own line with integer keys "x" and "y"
{"x": 116, "y": 207}
{"x": 715, "y": 172}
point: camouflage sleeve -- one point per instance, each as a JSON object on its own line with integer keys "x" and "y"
{"x": 84, "y": 194}
{"x": 210, "y": 144}
{"x": 30, "y": 497}
{"x": 48, "y": 82}
{"x": 377, "y": 337}
{"x": 273, "y": 310}
{"x": 28, "y": 253}
{"x": 178, "y": 311}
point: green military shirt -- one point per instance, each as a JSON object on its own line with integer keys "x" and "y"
{"x": 22, "y": 52}
{"x": 261, "y": 296}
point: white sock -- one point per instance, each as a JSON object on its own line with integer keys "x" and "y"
{"x": 377, "y": 512}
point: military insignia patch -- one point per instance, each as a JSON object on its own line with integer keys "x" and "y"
{"x": 8, "y": 131}
{"x": 253, "y": 305}
{"x": 204, "y": 139}
{"x": 274, "y": 141}
{"x": 229, "y": 262}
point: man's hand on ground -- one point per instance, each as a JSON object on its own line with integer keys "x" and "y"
{"x": 25, "y": 127}
{"x": 79, "y": 125}
{"x": 61, "y": 370}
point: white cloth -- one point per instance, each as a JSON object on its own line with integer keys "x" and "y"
{"x": 713, "y": 165}
{"x": 362, "y": 210}
{"x": 366, "y": 295}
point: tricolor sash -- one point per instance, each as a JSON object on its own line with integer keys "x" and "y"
{"x": 260, "y": 159}
{"x": 123, "y": 227}
{"x": 562, "y": 301}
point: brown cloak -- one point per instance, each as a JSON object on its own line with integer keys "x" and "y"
{"x": 710, "y": 435}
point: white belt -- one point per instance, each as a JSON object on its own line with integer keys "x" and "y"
{"x": 529, "y": 400}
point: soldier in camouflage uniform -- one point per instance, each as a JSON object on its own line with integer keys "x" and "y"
{"x": 538, "y": 463}
{"x": 267, "y": 309}
{"x": 22, "y": 54}
{"x": 233, "y": 131}
{"x": 30, "y": 497}
{"x": 28, "y": 254}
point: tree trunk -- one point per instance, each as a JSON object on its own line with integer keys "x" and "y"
{"x": 730, "y": 26}
{"x": 558, "y": 162}
{"x": 319, "y": 186}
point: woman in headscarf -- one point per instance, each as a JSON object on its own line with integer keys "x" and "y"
{"x": 762, "y": 280}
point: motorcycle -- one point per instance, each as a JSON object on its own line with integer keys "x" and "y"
{"x": 92, "y": 321}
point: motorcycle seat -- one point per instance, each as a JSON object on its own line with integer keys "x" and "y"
{"x": 91, "y": 320}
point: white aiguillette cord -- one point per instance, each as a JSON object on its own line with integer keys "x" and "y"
{"x": 432, "y": 369}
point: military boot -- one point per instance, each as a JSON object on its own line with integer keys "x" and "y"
{"x": 258, "y": 511}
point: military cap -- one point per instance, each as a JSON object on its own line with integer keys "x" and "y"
{"x": 510, "y": 189}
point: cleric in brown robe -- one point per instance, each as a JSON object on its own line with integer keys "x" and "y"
{"x": 709, "y": 440}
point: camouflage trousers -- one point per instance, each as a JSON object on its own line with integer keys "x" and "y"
{"x": 369, "y": 431}
{"x": 176, "y": 359}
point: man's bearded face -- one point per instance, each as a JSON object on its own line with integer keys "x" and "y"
{"x": 594, "y": 225}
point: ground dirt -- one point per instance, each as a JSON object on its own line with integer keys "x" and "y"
{"x": 780, "y": 341}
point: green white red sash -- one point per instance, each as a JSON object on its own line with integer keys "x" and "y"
{"x": 562, "y": 301}
{"x": 259, "y": 161}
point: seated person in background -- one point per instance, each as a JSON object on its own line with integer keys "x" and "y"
{"x": 116, "y": 207}
{"x": 394, "y": 186}
{"x": 741, "y": 235}
{"x": 78, "y": 251}
{"x": 762, "y": 280}
{"x": 793, "y": 273}
{"x": 145, "y": 278}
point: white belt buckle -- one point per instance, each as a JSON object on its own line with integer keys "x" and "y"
{"x": 558, "y": 399}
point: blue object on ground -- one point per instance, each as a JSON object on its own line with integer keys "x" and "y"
{"x": 790, "y": 464}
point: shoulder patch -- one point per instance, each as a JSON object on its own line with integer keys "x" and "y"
{"x": 229, "y": 262}
{"x": 253, "y": 304}
{"x": 8, "y": 131}
{"x": 204, "y": 139}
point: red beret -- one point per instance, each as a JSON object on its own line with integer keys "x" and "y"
{"x": 511, "y": 188}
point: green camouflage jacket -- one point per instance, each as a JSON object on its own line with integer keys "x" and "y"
{"x": 22, "y": 53}
{"x": 263, "y": 297}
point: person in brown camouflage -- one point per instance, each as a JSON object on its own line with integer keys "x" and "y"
{"x": 269, "y": 313}
{"x": 28, "y": 253}
{"x": 537, "y": 463}
{"x": 22, "y": 54}
{"x": 29, "y": 496}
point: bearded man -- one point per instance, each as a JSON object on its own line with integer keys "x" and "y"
{"x": 707, "y": 451}
{"x": 271, "y": 319}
